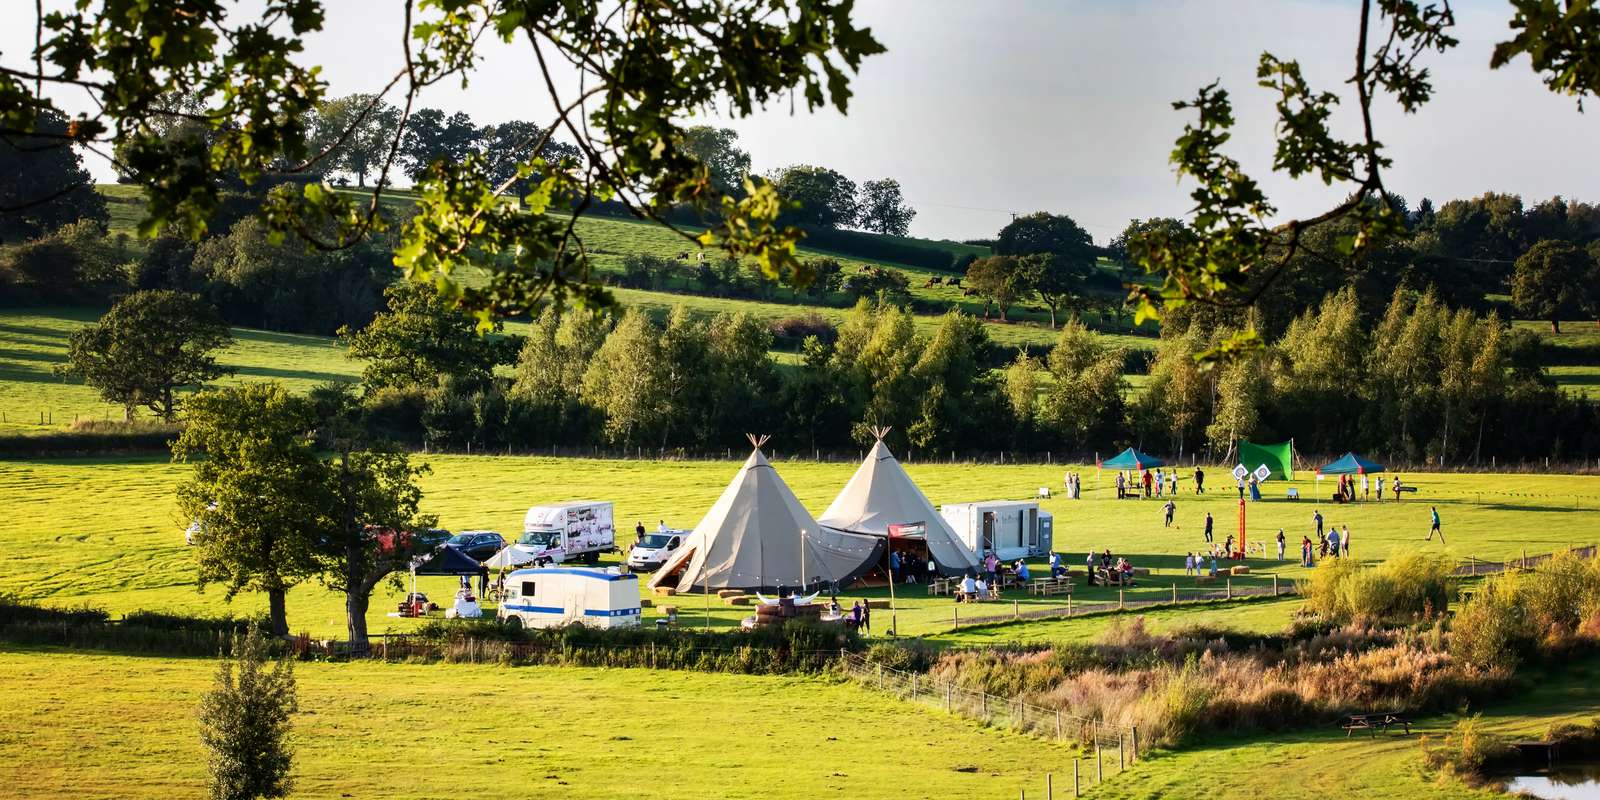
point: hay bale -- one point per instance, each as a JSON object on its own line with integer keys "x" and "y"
{"x": 727, "y": 593}
{"x": 667, "y": 611}
{"x": 1141, "y": 570}
{"x": 665, "y": 591}
{"x": 738, "y": 600}
{"x": 1241, "y": 570}
{"x": 877, "y": 603}
{"x": 646, "y": 603}
{"x": 1204, "y": 580}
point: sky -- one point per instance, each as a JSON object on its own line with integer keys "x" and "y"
{"x": 982, "y": 110}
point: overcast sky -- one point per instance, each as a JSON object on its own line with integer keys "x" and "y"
{"x": 983, "y": 109}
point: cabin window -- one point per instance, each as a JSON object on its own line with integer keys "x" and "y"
{"x": 527, "y": 588}
{"x": 1033, "y": 529}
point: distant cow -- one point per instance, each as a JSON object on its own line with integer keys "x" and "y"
{"x": 683, "y": 256}
{"x": 956, "y": 282}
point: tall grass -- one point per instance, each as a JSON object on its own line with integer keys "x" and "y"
{"x": 1542, "y": 613}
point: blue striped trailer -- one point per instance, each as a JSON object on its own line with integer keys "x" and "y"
{"x": 549, "y": 597}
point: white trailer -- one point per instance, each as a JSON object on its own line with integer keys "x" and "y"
{"x": 1008, "y": 528}
{"x": 550, "y": 597}
{"x": 577, "y": 529}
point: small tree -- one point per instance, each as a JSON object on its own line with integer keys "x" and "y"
{"x": 149, "y": 345}
{"x": 1000, "y": 280}
{"x": 244, "y": 723}
{"x": 1553, "y": 279}
{"x": 423, "y": 337}
{"x": 883, "y": 209}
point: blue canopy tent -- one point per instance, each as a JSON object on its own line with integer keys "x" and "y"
{"x": 1132, "y": 459}
{"x": 1351, "y": 464}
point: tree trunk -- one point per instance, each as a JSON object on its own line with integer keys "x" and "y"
{"x": 127, "y": 412}
{"x": 277, "y": 616}
{"x": 166, "y": 404}
{"x": 355, "y": 612}
{"x": 1555, "y": 326}
{"x": 1052, "y": 318}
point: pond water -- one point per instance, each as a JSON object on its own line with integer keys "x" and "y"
{"x": 1566, "y": 782}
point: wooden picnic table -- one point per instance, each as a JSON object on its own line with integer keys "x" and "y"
{"x": 1375, "y": 722}
{"x": 1050, "y": 586}
{"x": 941, "y": 586}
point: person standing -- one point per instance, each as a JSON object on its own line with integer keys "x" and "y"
{"x": 1122, "y": 485}
{"x": 1366, "y": 488}
{"x": 1208, "y": 526}
{"x": 1344, "y": 540}
{"x": 1172, "y": 483}
{"x": 933, "y": 570}
{"x": 1395, "y": 488}
{"x": 1316, "y": 517}
{"x": 1147, "y": 484}
{"x": 1434, "y": 511}
{"x": 1089, "y": 567}
{"x": 1280, "y": 544}
{"x": 1170, "y": 508}
{"x": 991, "y": 565}
{"x": 1333, "y": 543}
{"x": 638, "y": 531}
{"x": 1380, "y": 488}
{"x": 1199, "y": 481}
{"x": 661, "y": 526}
{"x": 866, "y": 616}
{"x": 1240, "y": 483}
{"x": 894, "y": 566}
{"x": 1188, "y": 564}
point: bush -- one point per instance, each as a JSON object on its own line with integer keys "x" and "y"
{"x": 1405, "y": 588}
{"x": 796, "y": 329}
{"x": 1465, "y": 752}
{"x": 875, "y": 247}
{"x": 76, "y": 263}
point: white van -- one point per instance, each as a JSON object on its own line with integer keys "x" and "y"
{"x": 649, "y": 553}
{"x": 550, "y": 597}
{"x": 577, "y": 529}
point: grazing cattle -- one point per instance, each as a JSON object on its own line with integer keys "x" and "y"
{"x": 931, "y": 282}
{"x": 683, "y": 256}
{"x": 956, "y": 282}
{"x": 968, "y": 292}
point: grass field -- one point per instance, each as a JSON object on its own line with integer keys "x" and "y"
{"x": 103, "y": 531}
{"x": 80, "y": 725}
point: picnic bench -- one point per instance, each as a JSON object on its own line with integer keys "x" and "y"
{"x": 1374, "y": 723}
{"x": 1049, "y": 586}
{"x": 941, "y": 586}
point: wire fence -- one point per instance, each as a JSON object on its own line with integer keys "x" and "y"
{"x": 1474, "y": 566}
{"x": 1114, "y": 748}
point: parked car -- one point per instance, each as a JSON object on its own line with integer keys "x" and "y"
{"x": 478, "y": 544}
{"x": 649, "y": 553}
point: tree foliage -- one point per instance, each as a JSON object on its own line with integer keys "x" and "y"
{"x": 422, "y": 338}
{"x": 817, "y": 196}
{"x": 245, "y": 722}
{"x": 146, "y": 348}
{"x": 883, "y": 209}
{"x": 43, "y": 184}
{"x": 643, "y": 69}
{"x": 1556, "y": 279}
{"x": 255, "y": 493}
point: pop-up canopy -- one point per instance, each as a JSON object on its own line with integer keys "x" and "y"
{"x": 1351, "y": 464}
{"x": 512, "y": 555}
{"x": 1132, "y": 459}
{"x": 757, "y": 537}
{"x": 446, "y": 560}
{"x": 881, "y": 494}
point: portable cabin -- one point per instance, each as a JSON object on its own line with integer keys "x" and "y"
{"x": 1008, "y": 528}
{"x": 549, "y": 597}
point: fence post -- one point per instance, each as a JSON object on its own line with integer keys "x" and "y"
{"x": 1122, "y": 762}
{"x": 1230, "y": 589}
{"x": 1075, "y": 789}
{"x": 1099, "y": 762}
{"x": 1174, "y": 592}
{"x": 1274, "y": 584}
{"x": 1016, "y": 613}
{"x": 1135, "y": 737}
{"x": 1069, "y": 605}
{"x": 983, "y": 706}
{"x": 880, "y": 677}
{"x": 1058, "y": 724}
{"x": 947, "y": 697}
{"x": 1049, "y": 787}
{"x": 955, "y": 617}
{"x": 1119, "y": 598}
{"x": 1473, "y": 561}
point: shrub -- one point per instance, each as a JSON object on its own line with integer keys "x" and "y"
{"x": 76, "y": 263}
{"x": 1465, "y": 751}
{"x": 880, "y": 248}
{"x": 797, "y": 328}
{"x": 1405, "y": 588}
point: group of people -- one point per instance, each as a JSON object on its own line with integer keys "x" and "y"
{"x": 1112, "y": 570}
{"x": 905, "y": 568}
{"x": 859, "y": 616}
{"x": 1353, "y": 487}
{"x": 1194, "y": 564}
{"x": 1073, "y": 482}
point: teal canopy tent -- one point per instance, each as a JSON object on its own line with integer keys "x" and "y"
{"x": 1351, "y": 464}
{"x": 1132, "y": 459}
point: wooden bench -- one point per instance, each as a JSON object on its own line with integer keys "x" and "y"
{"x": 1374, "y": 723}
{"x": 1049, "y": 586}
{"x": 941, "y": 586}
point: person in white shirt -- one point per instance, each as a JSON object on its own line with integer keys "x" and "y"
{"x": 661, "y": 527}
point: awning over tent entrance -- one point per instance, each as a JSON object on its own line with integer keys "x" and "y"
{"x": 1132, "y": 459}
{"x": 880, "y": 495}
{"x": 1351, "y": 464}
{"x": 1279, "y": 458}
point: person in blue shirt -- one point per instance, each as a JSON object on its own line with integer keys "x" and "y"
{"x": 1022, "y": 571}
{"x": 1333, "y": 542}
{"x": 1435, "y": 529}
{"x": 894, "y": 565}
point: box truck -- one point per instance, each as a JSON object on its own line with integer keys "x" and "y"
{"x": 571, "y": 531}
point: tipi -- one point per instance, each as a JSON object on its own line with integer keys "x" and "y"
{"x": 757, "y": 537}
{"x": 881, "y": 494}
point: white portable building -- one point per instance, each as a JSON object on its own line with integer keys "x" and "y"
{"x": 881, "y": 494}
{"x": 1008, "y": 528}
{"x": 549, "y": 597}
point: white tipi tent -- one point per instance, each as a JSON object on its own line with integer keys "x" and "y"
{"x": 881, "y": 494}
{"x": 757, "y": 537}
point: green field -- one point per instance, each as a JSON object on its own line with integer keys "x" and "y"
{"x": 32, "y": 341}
{"x": 80, "y": 725}
{"x": 104, "y": 532}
